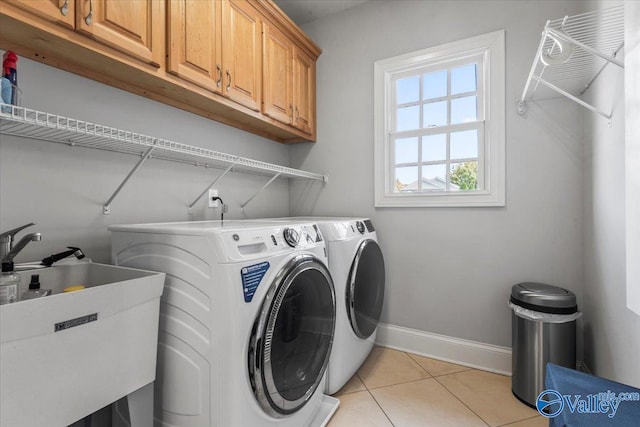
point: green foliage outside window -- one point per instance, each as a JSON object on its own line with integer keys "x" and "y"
{"x": 465, "y": 176}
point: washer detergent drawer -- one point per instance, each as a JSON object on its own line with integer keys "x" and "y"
{"x": 67, "y": 355}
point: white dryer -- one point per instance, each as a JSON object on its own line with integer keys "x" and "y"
{"x": 247, "y": 321}
{"x": 356, "y": 264}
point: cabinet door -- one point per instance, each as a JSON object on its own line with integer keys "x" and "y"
{"x": 58, "y": 11}
{"x": 304, "y": 94}
{"x": 241, "y": 53}
{"x": 194, "y": 42}
{"x": 135, "y": 27}
{"x": 277, "y": 90}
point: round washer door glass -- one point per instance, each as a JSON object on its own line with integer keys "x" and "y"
{"x": 292, "y": 337}
{"x": 365, "y": 289}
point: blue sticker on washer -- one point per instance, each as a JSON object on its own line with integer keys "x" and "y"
{"x": 251, "y": 278}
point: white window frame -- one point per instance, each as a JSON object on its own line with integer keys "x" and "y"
{"x": 490, "y": 48}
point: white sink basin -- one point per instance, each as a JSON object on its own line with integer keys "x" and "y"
{"x": 67, "y": 355}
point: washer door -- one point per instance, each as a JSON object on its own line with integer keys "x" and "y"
{"x": 292, "y": 336}
{"x": 365, "y": 289}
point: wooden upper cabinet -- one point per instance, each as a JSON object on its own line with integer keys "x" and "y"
{"x": 58, "y": 11}
{"x": 241, "y": 62}
{"x": 241, "y": 53}
{"x": 194, "y": 46}
{"x": 304, "y": 91}
{"x": 135, "y": 27}
{"x": 277, "y": 75}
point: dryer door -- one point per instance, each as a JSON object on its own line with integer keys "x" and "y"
{"x": 365, "y": 289}
{"x": 292, "y": 336}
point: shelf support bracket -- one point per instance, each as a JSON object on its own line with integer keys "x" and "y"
{"x": 273, "y": 178}
{"x": 571, "y": 97}
{"x": 106, "y": 208}
{"x": 218, "y": 178}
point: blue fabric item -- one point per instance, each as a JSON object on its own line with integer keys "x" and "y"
{"x": 5, "y": 93}
{"x": 577, "y": 386}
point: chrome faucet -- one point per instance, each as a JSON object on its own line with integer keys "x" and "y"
{"x": 8, "y": 250}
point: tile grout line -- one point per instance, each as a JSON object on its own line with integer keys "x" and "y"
{"x": 464, "y": 368}
{"x": 380, "y": 406}
{"x": 394, "y": 384}
{"x": 460, "y": 400}
{"x": 416, "y": 362}
{"x": 517, "y": 421}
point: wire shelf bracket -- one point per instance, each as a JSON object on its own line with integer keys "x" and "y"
{"x": 214, "y": 182}
{"x": 242, "y": 205}
{"x": 572, "y": 53}
{"x": 106, "y": 208}
{"x": 39, "y": 125}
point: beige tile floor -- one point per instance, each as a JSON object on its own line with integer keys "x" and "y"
{"x": 394, "y": 388}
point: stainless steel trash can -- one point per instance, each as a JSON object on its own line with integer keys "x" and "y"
{"x": 543, "y": 329}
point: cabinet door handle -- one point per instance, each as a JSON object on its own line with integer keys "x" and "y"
{"x": 297, "y": 113}
{"x": 228, "y": 80}
{"x": 65, "y": 8}
{"x": 291, "y": 113}
{"x": 89, "y": 18}
{"x": 219, "y": 71}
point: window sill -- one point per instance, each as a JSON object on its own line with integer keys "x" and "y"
{"x": 445, "y": 200}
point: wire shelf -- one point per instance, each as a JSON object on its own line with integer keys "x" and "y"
{"x": 29, "y": 123}
{"x": 572, "y": 53}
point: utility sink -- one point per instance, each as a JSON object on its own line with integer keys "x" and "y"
{"x": 67, "y": 355}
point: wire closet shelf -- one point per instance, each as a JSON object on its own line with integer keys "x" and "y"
{"x": 573, "y": 51}
{"x": 29, "y": 123}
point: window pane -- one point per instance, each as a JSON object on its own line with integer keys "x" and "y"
{"x": 464, "y": 109}
{"x": 408, "y": 118}
{"x": 434, "y": 147}
{"x": 408, "y": 90}
{"x": 463, "y": 79}
{"x": 435, "y": 84}
{"x": 434, "y": 178}
{"x": 407, "y": 150}
{"x": 406, "y": 179}
{"x": 435, "y": 114}
{"x": 464, "y": 176}
{"x": 464, "y": 144}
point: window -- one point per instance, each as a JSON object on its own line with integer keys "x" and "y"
{"x": 439, "y": 125}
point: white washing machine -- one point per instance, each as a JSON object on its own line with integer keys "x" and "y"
{"x": 357, "y": 267}
{"x": 247, "y": 321}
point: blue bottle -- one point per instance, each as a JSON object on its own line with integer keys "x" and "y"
{"x": 10, "y": 72}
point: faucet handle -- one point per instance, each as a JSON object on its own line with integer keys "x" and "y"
{"x": 7, "y": 236}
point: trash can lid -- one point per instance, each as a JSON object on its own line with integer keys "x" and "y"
{"x": 544, "y": 298}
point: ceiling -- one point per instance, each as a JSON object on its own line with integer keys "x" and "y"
{"x": 303, "y": 11}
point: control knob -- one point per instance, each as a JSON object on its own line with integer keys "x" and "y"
{"x": 291, "y": 236}
{"x": 360, "y": 227}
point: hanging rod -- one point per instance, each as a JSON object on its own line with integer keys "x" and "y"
{"x": 34, "y": 124}
{"x": 572, "y": 53}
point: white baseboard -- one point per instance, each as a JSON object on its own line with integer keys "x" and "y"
{"x": 487, "y": 357}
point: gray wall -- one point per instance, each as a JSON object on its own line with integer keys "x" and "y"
{"x": 450, "y": 270}
{"x": 612, "y": 331}
{"x": 62, "y": 189}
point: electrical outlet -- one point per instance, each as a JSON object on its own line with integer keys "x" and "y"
{"x": 213, "y": 203}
